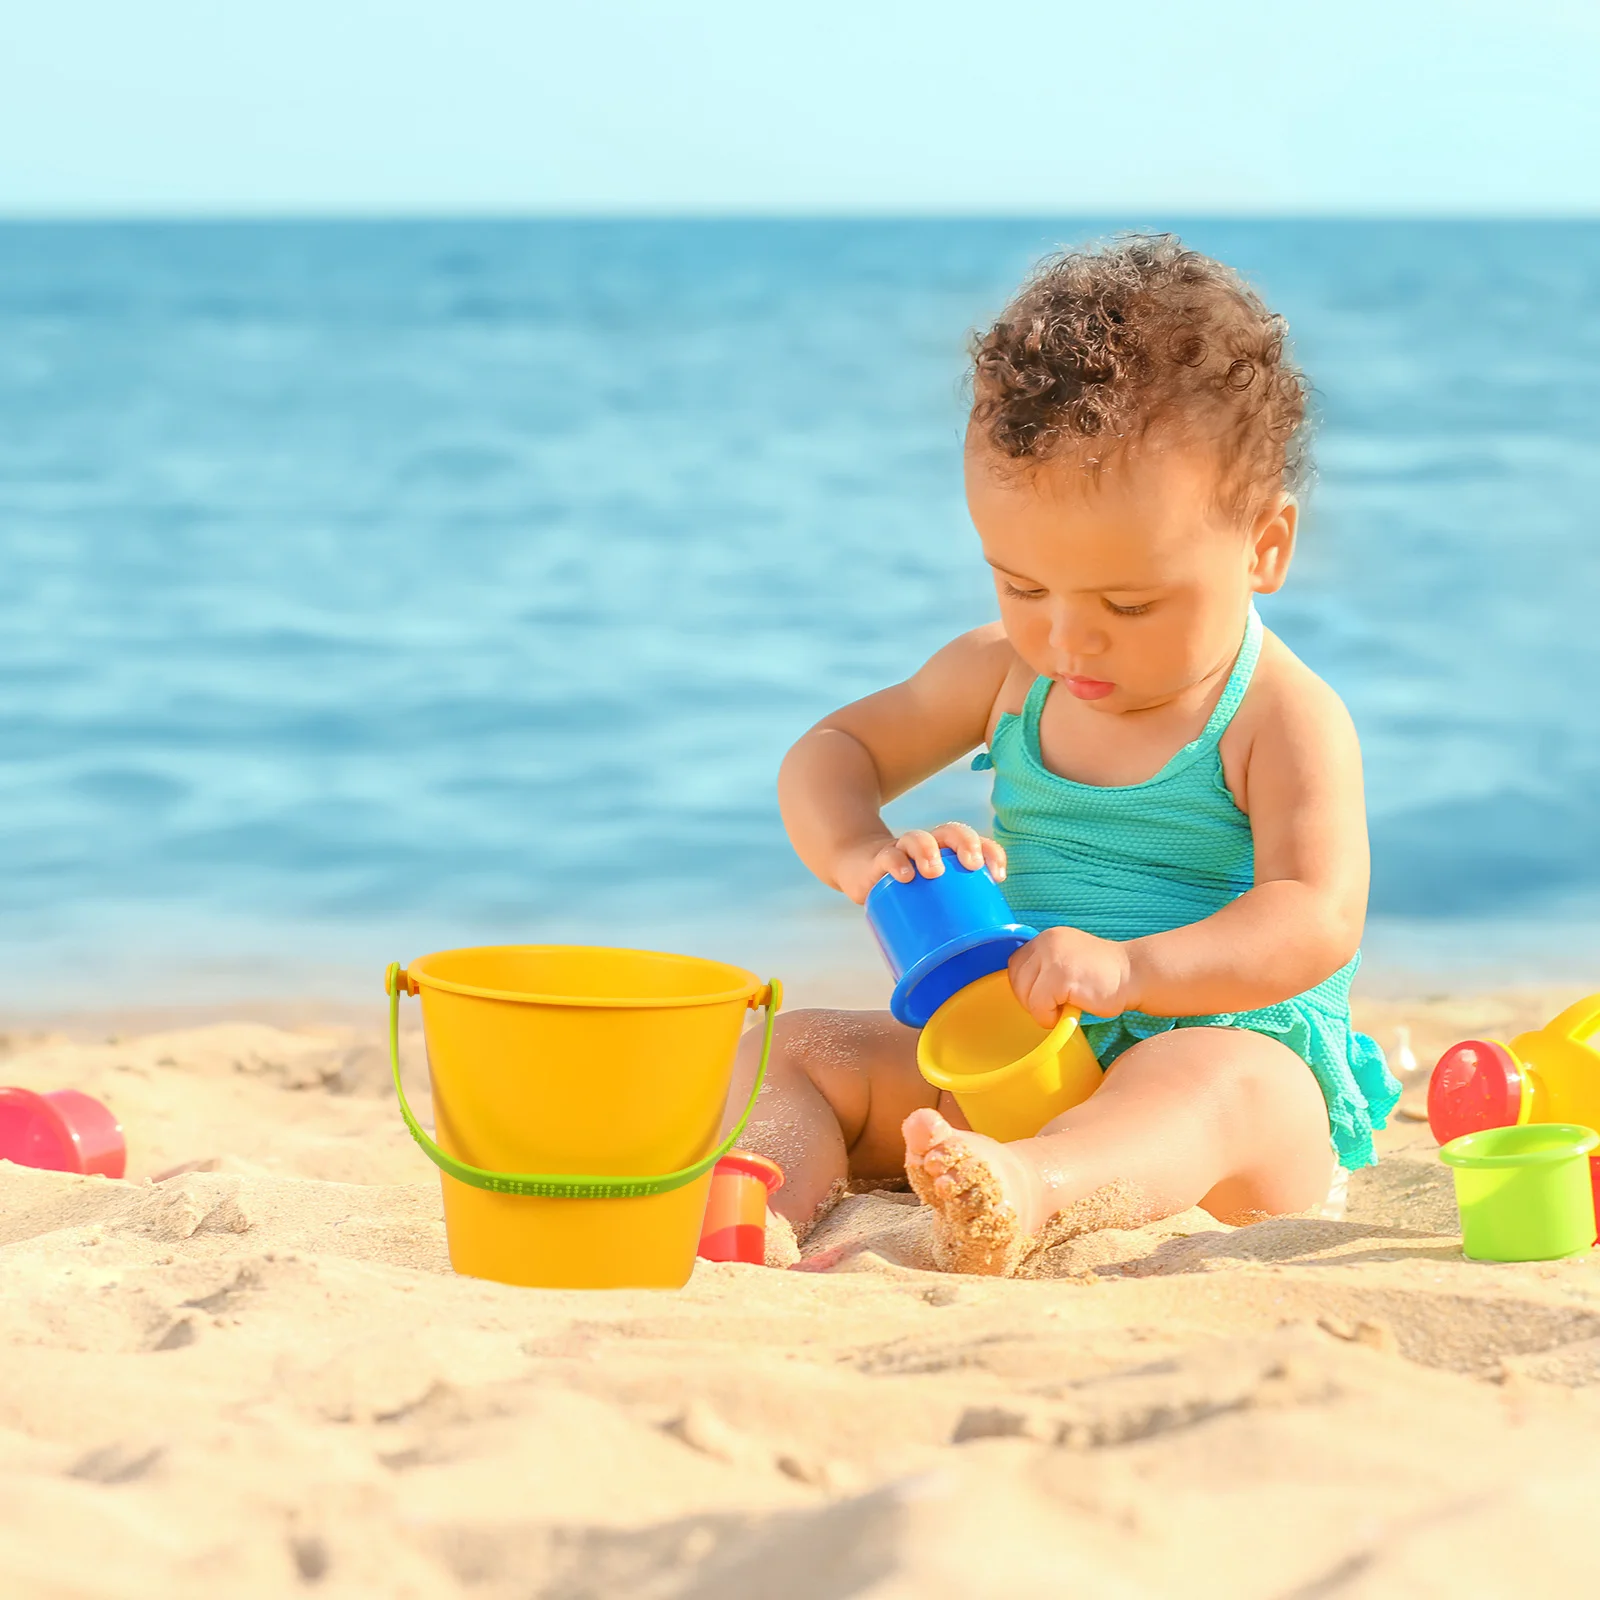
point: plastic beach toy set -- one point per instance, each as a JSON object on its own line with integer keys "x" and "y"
{"x": 578, "y": 1096}
{"x": 1518, "y": 1126}
{"x": 948, "y": 941}
{"x": 578, "y": 1092}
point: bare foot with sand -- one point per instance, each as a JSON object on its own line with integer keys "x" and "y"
{"x": 988, "y": 1203}
{"x": 995, "y": 1204}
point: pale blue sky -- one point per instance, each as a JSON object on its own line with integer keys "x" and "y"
{"x": 1039, "y": 106}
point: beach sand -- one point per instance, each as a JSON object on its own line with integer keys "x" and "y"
{"x": 259, "y": 1378}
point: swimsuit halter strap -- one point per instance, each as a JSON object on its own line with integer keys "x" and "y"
{"x": 1233, "y": 692}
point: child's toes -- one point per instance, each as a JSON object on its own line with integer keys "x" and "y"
{"x": 923, "y": 1130}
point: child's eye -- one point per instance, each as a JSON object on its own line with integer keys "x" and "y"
{"x": 1025, "y": 594}
{"x": 1128, "y": 611}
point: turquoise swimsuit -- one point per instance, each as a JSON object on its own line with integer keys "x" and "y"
{"x": 1140, "y": 858}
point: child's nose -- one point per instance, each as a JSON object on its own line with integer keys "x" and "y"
{"x": 1075, "y": 633}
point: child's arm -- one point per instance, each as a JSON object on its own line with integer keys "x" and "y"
{"x": 1298, "y": 925}
{"x": 836, "y": 779}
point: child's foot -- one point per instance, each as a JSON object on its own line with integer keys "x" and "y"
{"x": 988, "y": 1203}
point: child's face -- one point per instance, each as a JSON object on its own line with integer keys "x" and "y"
{"x": 1130, "y": 587}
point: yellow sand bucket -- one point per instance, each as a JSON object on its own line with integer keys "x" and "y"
{"x": 1009, "y": 1075}
{"x": 554, "y": 1063}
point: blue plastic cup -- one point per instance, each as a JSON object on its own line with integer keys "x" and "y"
{"x": 940, "y": 934}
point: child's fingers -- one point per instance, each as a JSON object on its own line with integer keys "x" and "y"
{"x": 964, "y": 841}
{"x": 1040, "y": 1002}
{"x": 1021, "y": 966}
{"x": 1030, "y": 983}
{"x": 922, "y": 849}
{"x": 894, "y": 862}
{"x": 994, "y": 858}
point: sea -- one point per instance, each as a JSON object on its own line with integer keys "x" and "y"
{"x": 374, "y": 588}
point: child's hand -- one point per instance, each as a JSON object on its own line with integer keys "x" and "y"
{"x": 1067, "y": 967}
{"x": 918, "y": 851}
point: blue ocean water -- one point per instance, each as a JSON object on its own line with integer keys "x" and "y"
{"x": 373, "y": 588}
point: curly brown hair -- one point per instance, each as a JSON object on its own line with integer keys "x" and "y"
{"x": 1104, "y": 346}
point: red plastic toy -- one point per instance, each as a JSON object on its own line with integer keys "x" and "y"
{"x": 735, "y": 1228}
{"x": 62, "y": 1131}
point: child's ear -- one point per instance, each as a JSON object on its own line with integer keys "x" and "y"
{"x": 1272, "y": 544}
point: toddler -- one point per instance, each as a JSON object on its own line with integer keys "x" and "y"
{"x": 1177, "y": 799}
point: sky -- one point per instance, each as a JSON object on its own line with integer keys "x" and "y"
{"x": 398, "y": 107}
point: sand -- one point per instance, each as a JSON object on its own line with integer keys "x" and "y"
{"x": 259, "y": 1377}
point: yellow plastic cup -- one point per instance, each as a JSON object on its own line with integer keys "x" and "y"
{"x": 553, "y": 1062}
{"x": 1009, "y": 1075}
{"x": 1524, "y": 1192}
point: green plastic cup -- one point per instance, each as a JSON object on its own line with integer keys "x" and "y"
{"x": 1524, "y": 1193}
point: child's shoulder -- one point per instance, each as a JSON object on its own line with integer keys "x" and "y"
{"x": 983, "y": 655}
{"x": 990, "y": 658}
{"x": 982, "y": 669}
{"x": 1288, "y": 714}
{"x": 1283, "y": 686}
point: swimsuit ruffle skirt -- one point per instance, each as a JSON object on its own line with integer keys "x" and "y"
{"x": 1142, "y": 858}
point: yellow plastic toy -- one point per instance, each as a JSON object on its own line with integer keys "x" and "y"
{"x": 1549, "y": 1074}
{"x": 1563, "y": 1066}
{"x": 552, "y": 1063}
{"x": 1009, "y": 1075}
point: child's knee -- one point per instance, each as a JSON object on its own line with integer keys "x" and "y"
{"x": 858, "y": 1061}
{"x": 800, "y": 1040}
{"x": 1273, "y": 1092}
{"x": 817, "y": 1043}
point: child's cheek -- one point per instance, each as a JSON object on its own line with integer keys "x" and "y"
{"x": 1028, "y": 629}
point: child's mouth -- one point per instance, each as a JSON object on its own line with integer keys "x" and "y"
{"x": 1088, "y": 688}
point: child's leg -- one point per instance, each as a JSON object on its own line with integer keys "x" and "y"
{"x": 839, "y": 1086}
{"x": 1218, "y": 1117}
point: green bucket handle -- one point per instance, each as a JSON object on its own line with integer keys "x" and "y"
{"x": 569, "y": 1185}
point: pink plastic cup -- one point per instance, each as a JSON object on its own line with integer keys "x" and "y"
{"x": 62, "y": 1131}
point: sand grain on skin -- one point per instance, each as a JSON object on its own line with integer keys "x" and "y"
{"x": 976, "y": 1229}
